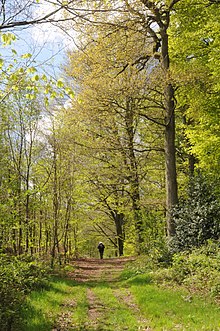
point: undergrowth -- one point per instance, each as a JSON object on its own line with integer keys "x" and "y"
{"x": 18, "y": 276}
{"x": 197, "y": 270}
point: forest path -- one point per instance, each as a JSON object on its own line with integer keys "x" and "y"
{"x": 109, "y": 306}
{"x": 97, "y": 270}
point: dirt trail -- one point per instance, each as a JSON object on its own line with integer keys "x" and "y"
{"x": 90, "y": 273}
{"x": 96, "y": 270}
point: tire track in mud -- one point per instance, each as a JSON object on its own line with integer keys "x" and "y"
{"x": 96, "y": 311}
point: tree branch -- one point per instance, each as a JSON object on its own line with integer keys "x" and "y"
{"x": 43, "y": 19}
{"x": 172, "y": 4}
{"x": 107, "y": 236}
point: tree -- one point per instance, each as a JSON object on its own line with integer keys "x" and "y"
{"x": 20, "y": 118}
{"x": 112, "y": 102}
{"x": 141, "y": 15}
{"x": 196, "y": 68}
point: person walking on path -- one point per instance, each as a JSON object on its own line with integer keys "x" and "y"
{"x": 101, "y": 248}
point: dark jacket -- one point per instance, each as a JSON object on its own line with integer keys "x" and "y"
{"x": 101, "y": 246}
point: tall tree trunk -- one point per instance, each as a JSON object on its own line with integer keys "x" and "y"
{"x": 55, "y": 241}
{"x": 170, "y": 152}
{"x": 159, "y": 13}
{"x": 27, "y": 225}
{"x": 119, "y": 221}
{"x": 134, "y": 178}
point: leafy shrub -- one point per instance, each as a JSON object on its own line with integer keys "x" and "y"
{"x": 17, "y": 277}
{"x": 197, "y": 217}
{"x": 200, "y": 269}
{"x": 144, "y": 264}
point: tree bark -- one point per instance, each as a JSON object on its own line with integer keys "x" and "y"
{"x": 170, "y": 150}
{"x": 119, "y": 220}
{"x": 134, "y": 177}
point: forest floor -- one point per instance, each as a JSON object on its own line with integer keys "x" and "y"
{"x": 101, "y": 295}
{"x": 95, "y": 273}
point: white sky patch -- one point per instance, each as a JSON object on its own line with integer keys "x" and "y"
{"x": 47, "y": 43}
{"x": 48, "y": 33}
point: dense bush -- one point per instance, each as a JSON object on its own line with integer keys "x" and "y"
{"x": 196, "y": 218}
{"x": 17, "y": 277}
{"x": 200, "y": 269}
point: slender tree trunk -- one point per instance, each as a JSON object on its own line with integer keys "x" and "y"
{"x": 75, "y": 237}
{"x": 27, "y": 225}
{"x": 55, "y": 244}
{"x": 134, "y": 178}
{"x": 119, "y": 220}
{"x": 55, "y": 241}
{"x": 66, "y": 229}
{"x": 14, "y": 237}
{"x": 191, "y": 157}
{"x": 170, "y": 152}
{"x": 40, "y": 232}
{"x": 28, "y": 154}
{"x": 20, "y": 231}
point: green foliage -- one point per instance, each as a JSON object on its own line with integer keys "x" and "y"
{"x": 196, "y": 217}
{"x": 7, "y": 38}
{"x": 197, "y": 271}
{"x": 200, "y": 269}
{"x": 143, "y": 264}
{"x": 17, "y": 277}
{"x": 194, "y": 45}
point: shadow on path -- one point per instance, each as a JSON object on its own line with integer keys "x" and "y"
{"x": 96, "y": 270}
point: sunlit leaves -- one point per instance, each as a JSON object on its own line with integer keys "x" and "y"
{"x": 21, "y": 73}
{"x": 14, "y": 51}
{"x": 60, "y": 83}
{"x": 26, "y": 56}
{"x": 69, "y": 92}
{"x": 35, "y": 78}
{"x": 195, "y": 42}
{"x": 7, "y": 38}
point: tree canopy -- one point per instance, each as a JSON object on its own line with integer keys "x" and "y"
{"x": 106, "y": 152}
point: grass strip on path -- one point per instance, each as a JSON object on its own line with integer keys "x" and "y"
{"x": 117, "y": 315}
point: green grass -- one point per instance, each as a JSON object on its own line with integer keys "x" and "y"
{"x": 167, "y": 309}
{"x": 44, "y": 307}
{"x": 159, "y": 308}
{"x": 116, "y": 315}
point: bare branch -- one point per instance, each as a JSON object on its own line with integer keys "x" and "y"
{"x": 152, "y": 119}
{"x": 107, "y": 236}
{"x": 43, "y": 19}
